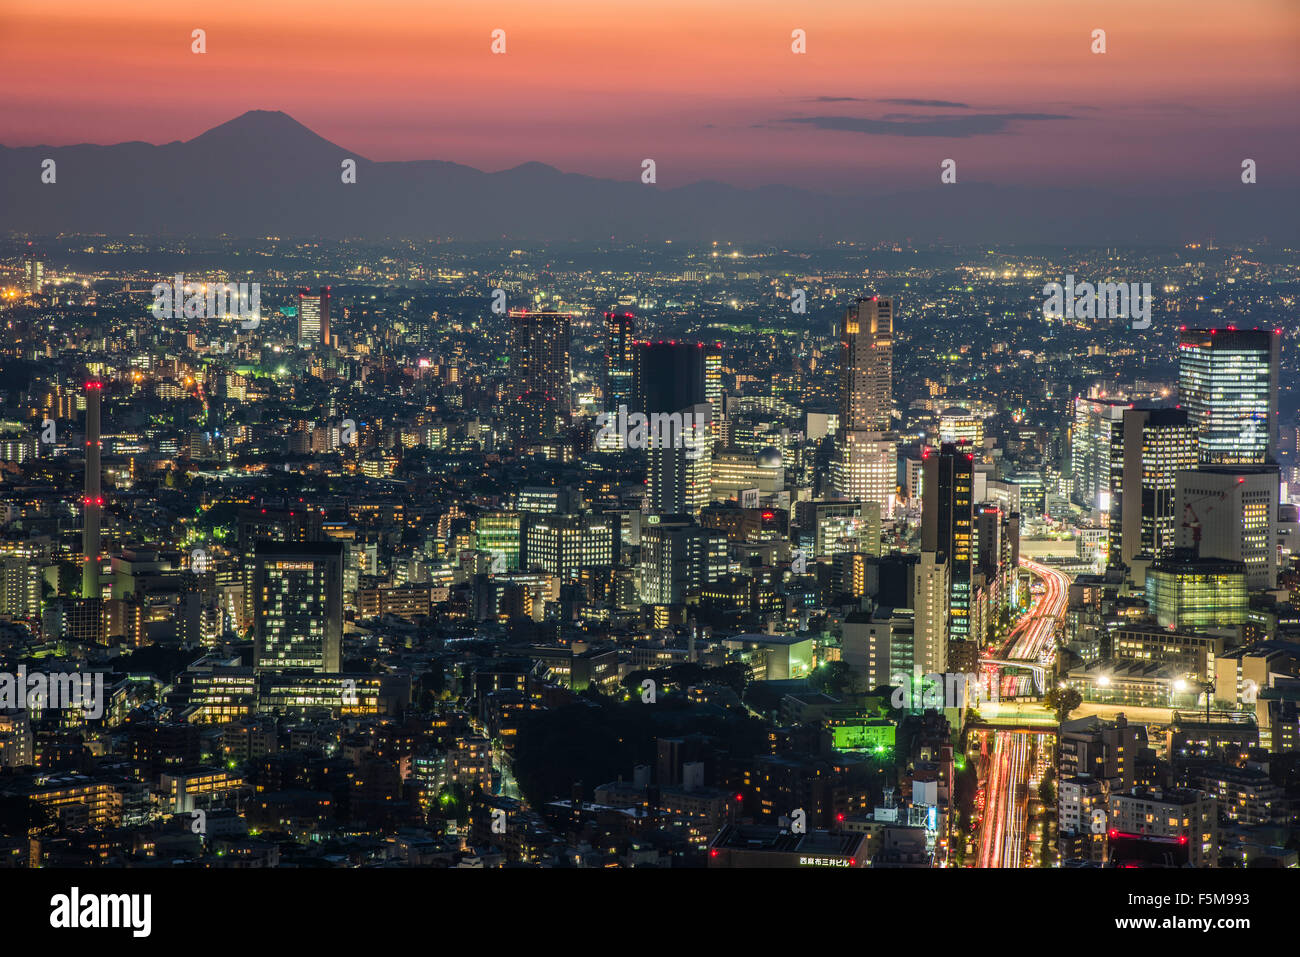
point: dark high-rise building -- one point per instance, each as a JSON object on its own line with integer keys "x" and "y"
{"x": 670, "y": 381}
{"x": 1156, "y": 445}
{"x": 947, "y": 514}
{"x": 620, "y": 360}
{"x": 669, "y": 376}
{"x": 1228, "y": 382}
{"x": 93, "y": 501}
{"x": 314, "y": 317}
{"x": 298, "y": 606}
{"x": 278, "y": 524}
{"x": 539, "y": 351}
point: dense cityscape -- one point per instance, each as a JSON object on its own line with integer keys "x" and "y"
{"x": 728, "y": 447}
{"x": 668, "y": 555}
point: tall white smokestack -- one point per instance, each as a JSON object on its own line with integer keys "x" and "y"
{"x": 93, "y": 502}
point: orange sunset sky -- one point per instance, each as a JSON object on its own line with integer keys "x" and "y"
{"x": 710, "y": 90}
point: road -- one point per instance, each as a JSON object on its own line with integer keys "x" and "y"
{"x": 1002, "y": 825}
{"x": 1033, "y": 639}
{"x": 1007, "y": 775}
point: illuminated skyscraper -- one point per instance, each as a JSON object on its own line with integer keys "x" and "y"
{"x": 1228, "y": 382}
{"x": 866, "y": 365}
{"x": 1156, "y": 445}
{"x": 314, "y": 317}
{"x": 676, "y": 555}
{"x": 298, "y": 606}
{"x": 620, "y": 360}
{"x": 931, "y": 586}
{"x": 713, "y": 381}
{"x": 681, "y": 461}
{"x": 947, "y": 516}
{"x": 33, "y": 275}
{"x": 539, "y": 352}
{"x": 865, "y": 465}
{"x": 1096, "y": 439}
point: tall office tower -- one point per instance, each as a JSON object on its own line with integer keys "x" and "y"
{"x": 93, "y": 502}
{"x": 1228, "y": 382}
{"x": 989, "y": 550}
{"x": 620, "y": 360}
{"x": 1230, "y": 512}
{"x": 866, "y": 365}
{"x": 1156, "y": 444}
{"x": 865, "y": 464}
{"x": 670, "y": 381}
{"x": 298, "y": 606}
{"x": 947, "y": 517}
{"x": 1095, "y": 440}
{"x": 33, "y": 275}
{"x": 314, "y": 317}
{"x": 713, "y": 382}
{"x": 669, "y": 376}
{"x": 539, "y": 351}
{"x": 677, "y": 555}
{"x": 680, "y": 463}
{"x": 930, "y": 589}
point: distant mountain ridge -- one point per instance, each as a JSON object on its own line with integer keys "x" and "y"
{"x": 264, "y": 173}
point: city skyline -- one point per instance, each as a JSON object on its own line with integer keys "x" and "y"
{"x": 684, "y": 438}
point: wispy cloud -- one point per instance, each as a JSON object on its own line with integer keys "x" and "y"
{"x": 894, "y": 101}
{"x": 947, "y": 104}
{"x": 910, "y": 124}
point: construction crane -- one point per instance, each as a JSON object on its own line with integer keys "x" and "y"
{"x": 1195, "y": 523}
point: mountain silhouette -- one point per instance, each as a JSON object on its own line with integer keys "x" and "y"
{"x": 264, "y": 173}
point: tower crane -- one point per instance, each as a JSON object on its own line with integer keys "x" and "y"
{"x": 1195, "y": 523}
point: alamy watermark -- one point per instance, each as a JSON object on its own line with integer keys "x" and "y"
{"x": 211, "y": 300}
{"x": 1108, "y": 300}
{"x": 39, "y": 691}
{"x": 667, "y": 429}
{"x": 919, "y": 692}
